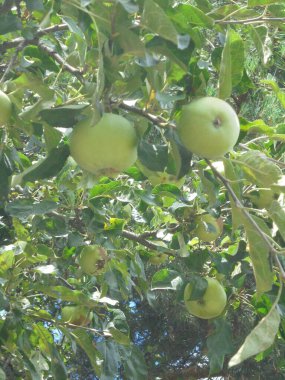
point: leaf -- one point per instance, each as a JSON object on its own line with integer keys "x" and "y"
{"x": 259, "y": 254}
{"x": 2, "y": 374}
{"x": 64, "y": 116}
{"x": 45, "y": 168}
{"x": 23, "y": 208}
{"x": 260, "y": 338}
{"x": 232, "y": 64}
{"x": 7, "y": 259}
{"x": 277, "y": 214}
{"x": 262, "y": 41}
{"x": 186, "y": 14}
{"x": 231, "y": 173}
{"x": 219, "y": 344}
{"x": 135, "y": 367}
{"x": 154, "y": 157}
{"x": 166, "y": 279}
{"x": 84, "y": 340}
{"x": 129, "y": 6}
{"x": 111, "y": 357}
{"x": 9, "y": 23}
{"x": 58, "y": 368}
{"x": 274, "y": 86}
{"x": 155, "y": 19}
{"x": 65, "y": 294}
{"x": 258, "y": 168}
{"x": 35, "y": 83}
{"x": 259, "y": 3}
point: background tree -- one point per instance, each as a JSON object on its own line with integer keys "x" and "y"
{"x": 64, "y": 62}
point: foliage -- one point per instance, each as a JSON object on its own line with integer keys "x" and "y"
{"x": 143, "y": 60}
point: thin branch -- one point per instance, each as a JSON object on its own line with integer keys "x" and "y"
{"x": 241, "y": 207}
{"x": 61, "y": 61}
{"x": 11, "y": 63}
{"x": 157, "y": 120}
{"x": 146, "y": 243}
{"x": 17, "y": 41}
{"x": 255, "y": 20}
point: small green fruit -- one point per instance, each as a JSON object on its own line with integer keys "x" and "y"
{"x": 106, "y": 148}
{"x": 208, "y": 127}
{"x": 158, "y": 258}
{"x": 208, "y": 228}
{"x": 93, "y": 259}
{"x": 5, "y": 108}
{"x": 76, "y": 315}
{"x": 211, "y": 304}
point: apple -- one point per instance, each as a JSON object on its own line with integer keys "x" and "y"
{"x": 93, "y": 259}
{"x": 76, "y": 315}
{"x": 208, "y": 228}
{"x": 211, "y": 304}
{"x": 208, "y": 127}
{"x": 5, "y": 108}
{"x": 158, "y": 258}
{"x": 104, "y": 148}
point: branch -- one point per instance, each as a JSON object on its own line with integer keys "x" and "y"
{"x": 17, "y": 41}
{"x": 241, "y": 207}
{"x": 61, "y": 61}
{"x": 189, "y": 373}
{"x": 157, "y": 120}
{"x": 255, "y": 20}
{"x": 148, "y": 244}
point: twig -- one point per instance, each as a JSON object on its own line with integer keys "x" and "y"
{"x": 11, "y": 63}
{"x": 255, "y": 20}
{"x": 157, "y": 120}
{"x": 148, "y": 244}
{"x": 17, "y": 41}
{"x": 61, "y": 61}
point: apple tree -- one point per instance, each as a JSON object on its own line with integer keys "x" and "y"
{"x": 142, "y": 220}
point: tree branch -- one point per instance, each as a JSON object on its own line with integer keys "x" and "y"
{"x": 255, "y": 20}
{"x": 146, "y": 243}
{"x": 17, "y": 41}
{"x": 157, "y": 120}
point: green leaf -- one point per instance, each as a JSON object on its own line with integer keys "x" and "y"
{"x": 259, "y": 254}
{"x": 45, "y": 168}
{"x": 2, "y": 374}
{"x": 166, "y": 279}
{"x": 66, "y": 294}
{"x": 259, "y": 3}
{"x": 262, "y": 42}
{"x": 35, "y": 83}
{"x": 23, "y": 208}
{"x": 135, "y": 367}
{"x": 219, "y": 344}
{"x": 7, "y": 259}
{"x": 232, "y": 64}
{"x": 274, "y": 86}
{"x": 64, "y": 116}
{"x": 9, "y": 23}
{"x": 260, "y": 338}
{"x": 33, "y": 5}
{"x": 84, "y": 340}
{"x": 277, "y": 214}
{"x": 186, "y": 14}
{"x": 129, "y": 6}
{"x": 58, "y": 368}
{"x": 154, "y": 157}
{"x": 111, "y": 357}
{"x": 257, "y": 167}
{"x": 155, "y": 19}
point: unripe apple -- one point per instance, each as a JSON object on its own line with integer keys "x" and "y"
{"x": 5, "y": 108}
{"x": 158, "y": 258}
{"x": 106, "y": 148}
{"x": 208, "y": 127}
{"x": 76, "y": 315}
{"x": 93, "y": 259}
{"x": 211, "y": 304}
{"x": 208, "y": 228}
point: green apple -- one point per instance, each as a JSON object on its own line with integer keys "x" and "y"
{"x": 208, "y": 228}
{"x": 5, "y": 108}
{"x": 211, "y": 304}
{"x": 208, "y": 127}
{"x": 158, "y": 258}
{"x": 93, "y": 259}
{"x": 76, "y": 315}
{"x": 106, "y": 148}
